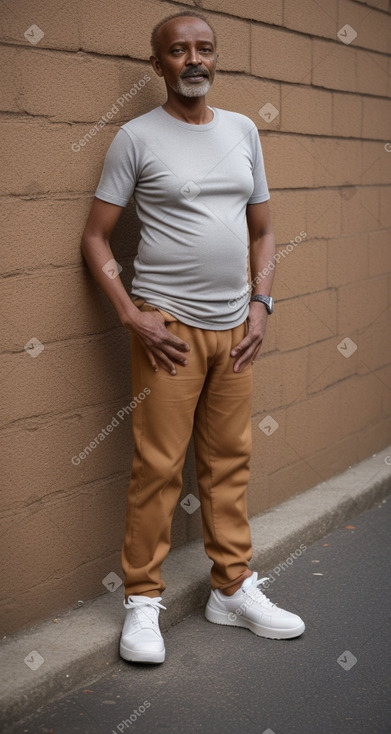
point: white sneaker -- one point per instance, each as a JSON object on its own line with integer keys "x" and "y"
{"x": 249, "y": 607}
{"x": 141, "y": 639}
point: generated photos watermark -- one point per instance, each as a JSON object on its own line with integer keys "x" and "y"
{"x": 126, "y": 723}
{"x": 34, "y": 660}
{"x": 277, "y": 257}
{"x": 347, "y": 660}
{"x": 34, "y": 347}
{"x": 190, "y": 503}
{"x": 112, "y": 581}
{"x": 110, "y": 114}
{"x": 347, "y": 347}
{"x": 283, "y": 566}
{"x": 121, "y": 413}
{"x": 34, "y": 34}
{"x": 268, "y": 425}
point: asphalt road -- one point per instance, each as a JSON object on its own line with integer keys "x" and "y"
{"x": 334, "y": 679}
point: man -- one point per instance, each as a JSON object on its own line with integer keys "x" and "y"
{"x": 199, "y": 184}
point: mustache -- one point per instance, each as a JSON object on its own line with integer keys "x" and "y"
{"x": 195, "y": 72}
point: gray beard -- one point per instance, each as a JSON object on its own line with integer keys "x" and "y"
{"x": 192, "y": 90}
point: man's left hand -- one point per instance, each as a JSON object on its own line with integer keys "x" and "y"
{"x": 248, "y": 348}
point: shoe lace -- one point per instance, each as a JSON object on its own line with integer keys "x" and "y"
{"x": 144, "y": 609}
{"x": 257, "y": 595}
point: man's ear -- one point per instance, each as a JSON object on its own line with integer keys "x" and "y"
{"x": 156, "y": 65}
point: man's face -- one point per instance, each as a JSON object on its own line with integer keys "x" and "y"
{"x": 187, "y": 56}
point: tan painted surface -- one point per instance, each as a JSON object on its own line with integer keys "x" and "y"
{"x": 329, "y": 174}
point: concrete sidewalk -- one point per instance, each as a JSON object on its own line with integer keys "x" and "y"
{"x": 48, "y": 660}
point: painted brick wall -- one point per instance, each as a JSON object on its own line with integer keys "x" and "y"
{"x": 69, "y": 66}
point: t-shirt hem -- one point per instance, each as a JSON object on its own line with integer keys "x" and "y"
{"x": 110, "y": 198}
{"x": 198, "y": 324}
{"x": 258, "y": 199}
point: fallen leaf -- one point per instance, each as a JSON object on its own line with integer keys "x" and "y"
{"x": 350, "y": 527}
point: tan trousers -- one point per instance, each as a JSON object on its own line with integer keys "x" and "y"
{"x": 205, "y": 397}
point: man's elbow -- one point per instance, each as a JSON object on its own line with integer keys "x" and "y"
{"x": 87, "y": 241}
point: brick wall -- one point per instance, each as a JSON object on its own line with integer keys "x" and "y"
{"x": 328, "y": 164}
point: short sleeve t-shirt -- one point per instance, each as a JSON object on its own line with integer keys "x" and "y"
{"x": 191, "y": 185}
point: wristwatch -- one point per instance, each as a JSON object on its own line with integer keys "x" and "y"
{"x": 267, "y": 300}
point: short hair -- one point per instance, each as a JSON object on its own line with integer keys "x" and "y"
{"x": 182, "y": 14}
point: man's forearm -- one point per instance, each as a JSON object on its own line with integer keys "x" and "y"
{"x": 97, "y": 253}
{"x": 262, "y": 251}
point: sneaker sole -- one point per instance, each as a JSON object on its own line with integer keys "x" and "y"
{"x": 141, "y": 657}
{"x": 217, "y": 617}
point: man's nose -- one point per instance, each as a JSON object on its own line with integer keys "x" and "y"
{"x": 193, "y": 57}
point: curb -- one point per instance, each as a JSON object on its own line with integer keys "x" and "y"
{"x": 80, "y": 646}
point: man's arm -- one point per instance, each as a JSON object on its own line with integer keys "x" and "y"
{"x": 162, "y": 347}
{"x": 262, "y": 249}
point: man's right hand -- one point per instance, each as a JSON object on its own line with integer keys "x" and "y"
{"x": 162, "y": 348}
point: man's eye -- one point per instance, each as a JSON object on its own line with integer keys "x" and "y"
{"x": 180, "y": 50}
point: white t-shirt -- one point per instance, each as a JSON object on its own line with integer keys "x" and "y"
{"x": 191, "y": 184}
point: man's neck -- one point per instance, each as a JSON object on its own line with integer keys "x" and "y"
{"x": 193, "y": 110}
